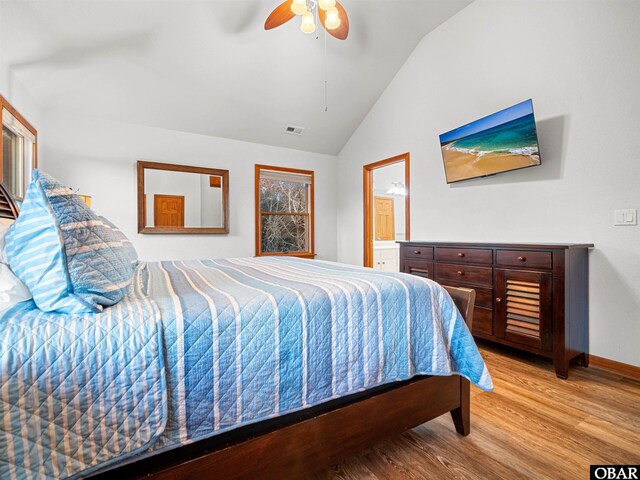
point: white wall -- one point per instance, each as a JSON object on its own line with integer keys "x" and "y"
{"x": 99, "y": 158}
{"x": 11, "y": 88}
{"x": 579, "y": 62}
{"x": 211, "y": 208}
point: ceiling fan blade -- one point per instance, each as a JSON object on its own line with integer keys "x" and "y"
{"x": 342, "y": 32}
{"x": 281, "y": 14}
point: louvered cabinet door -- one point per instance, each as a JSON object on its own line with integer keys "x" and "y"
{"x": 522, "y": 307}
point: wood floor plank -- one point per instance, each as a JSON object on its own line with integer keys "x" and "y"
{"x": 620, "y": 436}
{"x": 534, "y": 426}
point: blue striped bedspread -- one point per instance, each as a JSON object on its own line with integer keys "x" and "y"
{"x": 79, "y": 391}
{"x": 197, "y": 348}
{"x": 253, "y": 338}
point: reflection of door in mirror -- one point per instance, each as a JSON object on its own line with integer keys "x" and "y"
{"x": 201, "y": 196}
{"x": 384, "y": 220}
{"x": 168, "y": 210}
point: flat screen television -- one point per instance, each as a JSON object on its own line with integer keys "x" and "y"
{"x": 504, "y": 141}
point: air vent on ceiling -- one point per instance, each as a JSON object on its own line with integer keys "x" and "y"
{"x": 293, "y": 130}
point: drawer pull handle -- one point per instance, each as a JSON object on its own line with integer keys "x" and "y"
{"x": 416, "y": 252}
{"x": 498, "y": 300}
{"x": 461, "y": 254}
{"x": 522, "y": 259}
{"x": 460, "y": 272}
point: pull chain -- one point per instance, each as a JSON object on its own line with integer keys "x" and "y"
{"x": 326, "y": 108}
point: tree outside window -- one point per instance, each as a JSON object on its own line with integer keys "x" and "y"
{"x": 284, "y": 211}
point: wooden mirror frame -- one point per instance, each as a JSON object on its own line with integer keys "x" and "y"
{"x": 142, "y": 228}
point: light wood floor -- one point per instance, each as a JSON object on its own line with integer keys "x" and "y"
{"x": 532, "y": 426}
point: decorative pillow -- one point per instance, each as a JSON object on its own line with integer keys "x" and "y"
{"x": 70, "y": 260}
{"x": 12, "y": 290}
{"x": 129, "y": 251}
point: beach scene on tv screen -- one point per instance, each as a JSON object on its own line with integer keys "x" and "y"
{"x": 506, "y": 140}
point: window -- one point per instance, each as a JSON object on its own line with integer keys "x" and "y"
{"x": 18, "y": 155}
{"x": 284, "y": 211}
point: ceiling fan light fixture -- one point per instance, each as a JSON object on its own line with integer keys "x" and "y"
{"x": 332, "y": 25}
{"x": 330, "y": 13}
{"x": 332, "y": 20}
{"x": 326, "y": 4}
{"x": 308, "y": 24}
{"x": 299, "y": 7}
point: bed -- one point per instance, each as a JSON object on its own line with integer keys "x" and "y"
{"x": 252, "y": 366}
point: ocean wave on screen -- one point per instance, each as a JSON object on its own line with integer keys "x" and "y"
{"x": 470, "y": 151}
{"x": 524, "y": 151}
{"x": 533, "y": 150}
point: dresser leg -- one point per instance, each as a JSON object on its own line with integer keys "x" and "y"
{"x": 562, "y": 368}
{"x": 583, "y": 360}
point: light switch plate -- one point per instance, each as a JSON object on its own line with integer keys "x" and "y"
{"x": 628, "y": 216}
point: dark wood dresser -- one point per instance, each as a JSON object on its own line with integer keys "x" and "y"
{"x": 533, "y": 297}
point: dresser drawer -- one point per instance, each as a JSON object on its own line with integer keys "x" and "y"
{"x": 464, "y": 255}
{"x": 484, "y": 296}
{"x": 482, "y": 321}
{"x": 518, "y": 258}
{"x": 417, "y": 252}
{"x": 482, "y": 276}
{"x": 418, "y": 267}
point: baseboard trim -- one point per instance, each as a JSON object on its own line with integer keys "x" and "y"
{"x": 620, "y": 368}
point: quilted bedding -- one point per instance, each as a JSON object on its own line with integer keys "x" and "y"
{"x": 78, "y": 392}
{"x": 253, "y": 338}
{"x": 201, "y": 347}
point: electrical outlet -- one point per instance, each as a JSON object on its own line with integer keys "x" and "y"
{"x": 625, "y": 217}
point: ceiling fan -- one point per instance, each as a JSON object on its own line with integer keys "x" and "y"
{"x": 331, "y": 14}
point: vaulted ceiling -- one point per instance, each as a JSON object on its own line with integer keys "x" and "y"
{"x": 208, "y": 67}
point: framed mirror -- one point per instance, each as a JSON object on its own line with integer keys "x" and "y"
{"x": 182, "y": 199}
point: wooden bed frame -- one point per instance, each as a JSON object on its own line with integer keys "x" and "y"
{"x": 299, "y": 443}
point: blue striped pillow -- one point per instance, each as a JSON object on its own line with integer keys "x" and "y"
{"x": 128, "y": 250}
{"x": 70, "y": 259}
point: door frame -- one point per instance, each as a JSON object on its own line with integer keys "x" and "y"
{"x": 367, "y": 171}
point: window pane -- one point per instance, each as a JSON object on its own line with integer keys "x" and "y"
{"x": 284, "y": 233}
{"x": 12, "y": 162}
{"x": 281, "y": 196}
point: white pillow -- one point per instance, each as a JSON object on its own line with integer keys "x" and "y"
{"x": 12, "y": 290}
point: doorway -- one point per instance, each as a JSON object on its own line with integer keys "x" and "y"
{"x": 386, "y": 211}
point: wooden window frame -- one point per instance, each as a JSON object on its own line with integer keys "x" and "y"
{"x": 310, "y": 214}
{"x": 5, "y": 105}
